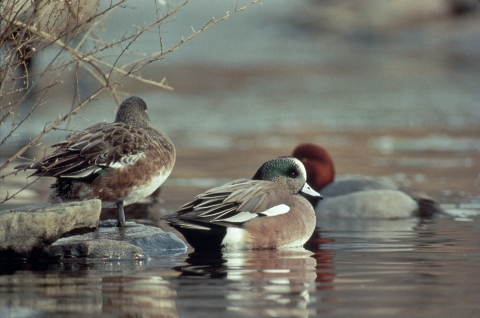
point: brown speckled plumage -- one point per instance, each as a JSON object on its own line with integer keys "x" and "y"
{"x": 118, "y": 162}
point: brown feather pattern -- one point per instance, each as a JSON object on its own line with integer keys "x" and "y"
{"x": 238, "y": 196}
{"x": 119, "y": 163}
{"x": 100, "y": 146}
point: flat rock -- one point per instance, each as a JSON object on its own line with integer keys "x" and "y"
{"x": 27, "y": 229}
{"x": 134, "y": 241}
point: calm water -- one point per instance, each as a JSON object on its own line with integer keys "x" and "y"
{"x": 349, "y": 268}
{"x": 250, "y": 90}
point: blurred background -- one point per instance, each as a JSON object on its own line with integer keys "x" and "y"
{"x": 390, "y": 88}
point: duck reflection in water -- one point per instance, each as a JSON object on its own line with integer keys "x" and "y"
{"x": 254, "y": 282}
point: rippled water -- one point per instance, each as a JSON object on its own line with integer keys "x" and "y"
{"x": 349, "y": 268}
{"x": 240, "y": 100}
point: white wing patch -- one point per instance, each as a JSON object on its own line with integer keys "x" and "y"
{"x": 244, "y": 216}
{"x": 238, "y": 218}
{"x": 276, "y": 210}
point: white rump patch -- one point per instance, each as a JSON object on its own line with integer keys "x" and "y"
{"x": 234, "y": 238}
{"x": 238, "y": 218}
{"x": 276, "y": 210}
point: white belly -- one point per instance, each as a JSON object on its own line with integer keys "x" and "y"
{"x": 141, "y": 192}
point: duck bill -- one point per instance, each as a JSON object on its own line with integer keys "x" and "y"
{"x": 308, "y": 191}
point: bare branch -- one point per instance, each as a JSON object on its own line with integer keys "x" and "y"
{"x": 29, "y": 28}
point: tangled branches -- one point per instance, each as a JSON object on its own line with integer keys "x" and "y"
{"x": 69, "y": 31}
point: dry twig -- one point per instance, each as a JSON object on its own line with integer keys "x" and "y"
{"x": 28, "y": 29}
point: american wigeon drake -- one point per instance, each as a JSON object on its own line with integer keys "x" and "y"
{"x": 265, "y": 212}
{"x": 118, "y": 163}
{"x": 359, "y": 196}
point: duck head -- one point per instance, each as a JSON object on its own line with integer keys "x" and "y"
{"x": 133, "y": 111}
{"x": 290, "y": 173}
{"x": 318, "y": 164}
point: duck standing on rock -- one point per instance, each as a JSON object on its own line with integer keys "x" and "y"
{"x": 118, "y": 163}
{"x": 265, "y": 212}
{"x": 360, "y": 196}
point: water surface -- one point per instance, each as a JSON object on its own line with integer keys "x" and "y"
{"x": 249, "y": 90}
{"x": 351, "y": 268}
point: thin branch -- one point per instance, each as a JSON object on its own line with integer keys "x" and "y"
{"x": 96, "y": 23}
{"x": 52, "y": 126}
{"x": 52, "y": 83}
{"x": 7, "y": 196}
{"x": 210, "y": 23}
{"x": 106, "y": 74}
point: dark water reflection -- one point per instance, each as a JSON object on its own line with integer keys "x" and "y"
{"x": 348, "y": 268}
{"x": 253, "y": 283}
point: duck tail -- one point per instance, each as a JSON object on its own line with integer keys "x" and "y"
{"x": 427, "y": 206}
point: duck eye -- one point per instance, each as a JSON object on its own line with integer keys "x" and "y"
{"x": 292, "y": 174}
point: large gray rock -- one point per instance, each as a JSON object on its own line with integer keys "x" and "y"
{"x": 27, "y": 229}
{"x": 134, "y": 241}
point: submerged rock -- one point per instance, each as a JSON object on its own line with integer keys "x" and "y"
{"x": 100, "y": 249}
{"x": 27, "y": 229}
{"x": 69, "y": 230}
{"x": 134, "y": 241}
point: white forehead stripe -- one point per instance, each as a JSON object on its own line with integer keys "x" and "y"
{"x": 302, "y": 167}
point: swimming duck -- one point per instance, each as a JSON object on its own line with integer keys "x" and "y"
{"x": 118, "y": 163}
{"x": 359, "y": 196}
{"x": 265, "y": 212}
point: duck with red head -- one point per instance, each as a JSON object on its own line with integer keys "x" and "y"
{"x": 318, "y": 163}
{"x": 359, "y": 196}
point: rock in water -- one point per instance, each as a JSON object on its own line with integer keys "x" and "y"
{"x": 98, "y": 249}
{"x": 134, "y": 241}
{"x": 28, "y": 229}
